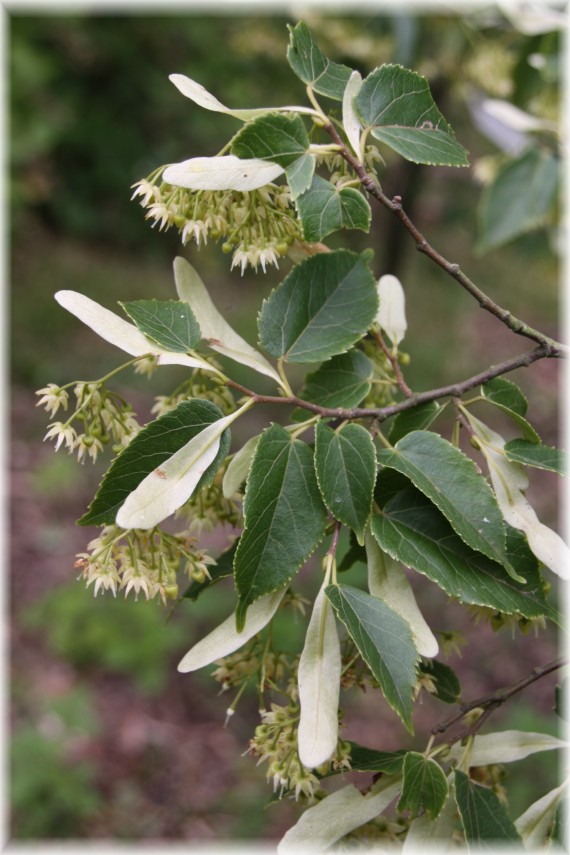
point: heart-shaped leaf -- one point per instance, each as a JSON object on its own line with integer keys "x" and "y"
{"x": 398, "y": 106}
{"x": 324, "y": 209}
{"x": 320, "y": 309}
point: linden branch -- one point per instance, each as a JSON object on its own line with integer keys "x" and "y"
{"x": 489, "y": 703}
{"x": 381, "y": 413}
{"x": 551, "y": 347}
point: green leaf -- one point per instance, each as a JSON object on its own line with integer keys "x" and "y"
{"x": 321, "y": 308}
{"x": 345, "y": 463}
{"x": 484, "y": 818}
{"x": 451, "y": 480}
{"x": 300, "y": 174}
{"x": 284, "y": 517}
{"x": 425, "y": 786}
{"x": 505, "y": 393}
{"x": 280, "y": 139}
{"x": 540, "y": 456}
{"x": 309, "y": 63}
{"x": 343, "y": 381}
{"x": 385, "y": 643}
{"x": 416, "y": 418}
{"x": 323, "y": 209}
{"x": 397, "y": 104}
{"x": 412, "y": 530}
{"x": 223, "y": 568}
{"x": 369, "y": 760}
{"x": 519, "y": 199}
{"x": 446, "y": 681}
{"x": 150, "y": 448}
{"x": 169, "y": 323}
{"x": 506, "y": 396}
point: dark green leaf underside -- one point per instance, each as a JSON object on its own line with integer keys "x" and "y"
{"x": 169, "y": 323}
{"x": 152, "y": 445}
{"x": 284, "y": 517}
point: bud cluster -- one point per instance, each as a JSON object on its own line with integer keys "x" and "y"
{"x": 141, "y": 561}
{"x": 498, "y": 620}
{"x": 209, "y": 508}
{"x": 200, "y": 385}
{"x": 100, "y": 416}
{"x": 384, "y": 386}
{"x": 232, "y": 670}
{"x": 257, "y": 226}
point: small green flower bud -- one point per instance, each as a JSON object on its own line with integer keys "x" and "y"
{"x": 404, "y": 358}
{"x": 227, "y": 247}
{"x": 171, "y": 591}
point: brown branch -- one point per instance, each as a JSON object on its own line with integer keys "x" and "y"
{"x": 489, "y": 703}
{"x": 381, "y": 413}
{"x": 395, "y": 206}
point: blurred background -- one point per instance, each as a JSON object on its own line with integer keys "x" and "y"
{"x": 108, "y": 741}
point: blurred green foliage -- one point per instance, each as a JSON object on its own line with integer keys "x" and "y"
{"x": 52, "y": 794}
{"x": 109, "y": 634}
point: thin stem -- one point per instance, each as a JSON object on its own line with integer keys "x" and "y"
{"x": 395, "y": 206}
{"x": 381, "y": 413}
{"x": 489, "y": 703}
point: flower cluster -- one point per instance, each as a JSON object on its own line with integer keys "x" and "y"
{"x": 258, "y": 226}
{"x": 200, "y": 385}
{"x": 209, "y": 508}
{"x": 100, "y": 416}
{"x": 384, "y": 386}
{"x": 275, "y": 740}
{"x": 498, "y": 620}
{"x": 144, "y": 562}
{"x": 233, "y": 670}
